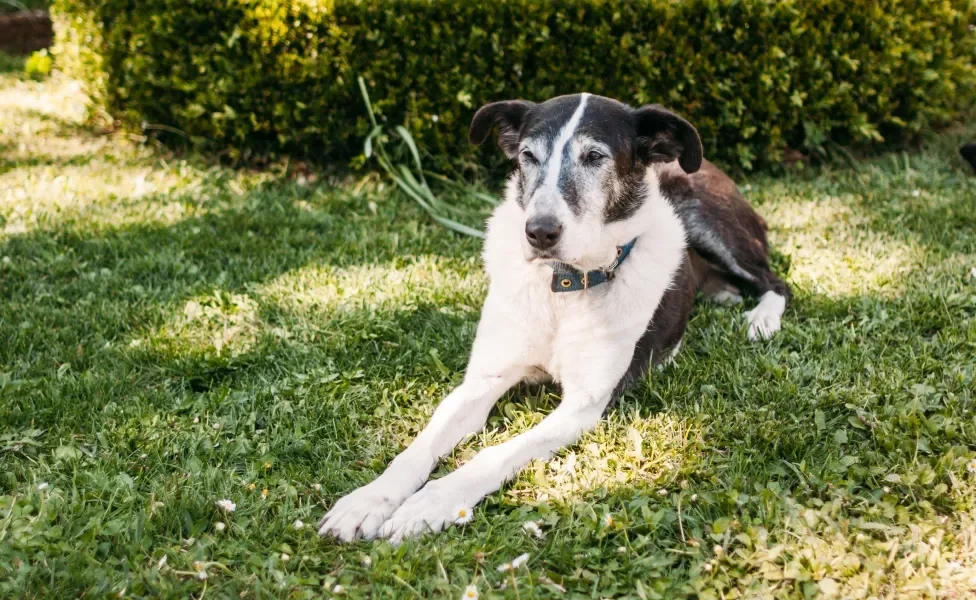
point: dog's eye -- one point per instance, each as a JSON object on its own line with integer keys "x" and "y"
{"x": 593, "y": 157}
{"x": 529, "y": 157}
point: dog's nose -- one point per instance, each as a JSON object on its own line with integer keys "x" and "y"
{"x": 543, "y": 232}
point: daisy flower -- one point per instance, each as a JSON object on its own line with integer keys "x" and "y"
{"x": 470, "y": 593}
{"x": 317, "y": 487}
{"x": 201, "y": 570}
{"x": 662, "y": 492}
{"x": 532, "y": 528}
{"x": 43, "y": 486}
{"x": 226, "y": 505}
{"x": 285, "y": 557}
{"x": 608, "y": 520}
{"x": 338, "y": 589}
{"x": 264, "y": 493}
{"x": 251, "y": 487}
{"x": 520, "y": 560}
{"x": 970, "y": 466}
{"x": 463, "y": 515}
{"x": 216, "y": 425}
{"x": 298, "y": 524}
{"x": 220, "y": 526}
{"x": 366, "y": 561}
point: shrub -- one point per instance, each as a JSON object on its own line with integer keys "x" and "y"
{"x": 756, "y": 76}
{"x": 38, "y": 65}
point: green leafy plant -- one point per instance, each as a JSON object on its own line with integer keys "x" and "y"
{"x": 39, "y": 65}
{"x": 412, "y": 181}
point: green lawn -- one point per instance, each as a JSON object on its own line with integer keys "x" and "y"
{"x": 173, "y": 334}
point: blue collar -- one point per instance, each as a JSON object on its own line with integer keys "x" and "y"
{"x": 568, "y": 279}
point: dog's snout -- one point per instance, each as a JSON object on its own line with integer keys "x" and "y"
{"x": 543, "y": 232}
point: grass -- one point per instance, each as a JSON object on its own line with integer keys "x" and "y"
{"x": 174, "y": 334}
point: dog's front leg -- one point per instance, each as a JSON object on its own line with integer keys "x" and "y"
{"x": 435, "y": 505}
{"x": 493, "y": 369}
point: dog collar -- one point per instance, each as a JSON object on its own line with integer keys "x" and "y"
{"x": 568, "y": 279}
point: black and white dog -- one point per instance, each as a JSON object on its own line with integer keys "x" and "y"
{"x": 612, "y": 221}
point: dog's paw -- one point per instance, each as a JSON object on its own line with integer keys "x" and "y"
{"x": 431, "y": 509}
{"x": 767, "y": 318}
{"x": 362, "y": 512}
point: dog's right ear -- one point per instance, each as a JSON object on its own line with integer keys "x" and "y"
{"x": 508, "y": 116}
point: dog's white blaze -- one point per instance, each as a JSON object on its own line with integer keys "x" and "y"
{"x": 565, "y": 135}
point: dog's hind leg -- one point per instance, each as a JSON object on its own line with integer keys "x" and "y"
{"x": 728, "y": 240}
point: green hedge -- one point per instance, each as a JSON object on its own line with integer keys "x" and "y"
{"x": 756, "y": 76}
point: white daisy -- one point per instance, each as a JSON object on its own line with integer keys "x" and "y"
{"x": 367, "y": 561}
{"x": 463, "y": 515}
{"x": 886, "y": 489}
{"x": 285, "y": 557}
{"x": 338, "y": 589}
{"x": 317, "y": 487}
{"x": 470, "y": 593}
{"x": 531, "y": 527}
{"x": 202, "y": 575}
{"x": 42, "y": 486}
{"x": 970, "y": 466}
{"x": 520, "y": 560}
{"x": 220, "y": 526}
{"x": 717, "y": 549}
{"x": 216, "y": 425}
{"x": 298, "y": 524}
{"x": 662, "y": 492}
{"x": 504, "y": 567}
{"x": 226, "y": 505}
{"x": 608, "y": 520}
{"x": 916, "y": 193}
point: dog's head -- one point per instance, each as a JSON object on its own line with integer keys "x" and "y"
{"x": 580, "y": 167}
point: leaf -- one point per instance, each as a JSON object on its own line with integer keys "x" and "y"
{"x": 67, "y": 453}
{"x": 368, "y": 145}
{"x": 721, "y": 525}
{"x": 840, "y": 436}
{"x": 818, "y": 418}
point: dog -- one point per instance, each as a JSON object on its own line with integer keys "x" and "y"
{"x": 611, "y": 223}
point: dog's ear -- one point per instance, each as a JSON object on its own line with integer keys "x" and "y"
{"x": 508, "y": 116}
{"x": 663, "y": 136}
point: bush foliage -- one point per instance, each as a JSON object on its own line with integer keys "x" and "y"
{"x": 757, "y": 77}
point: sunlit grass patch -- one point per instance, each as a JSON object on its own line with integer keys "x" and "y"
{"x": 833, "y": 250}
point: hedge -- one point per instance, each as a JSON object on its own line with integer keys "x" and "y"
{"x": 757, "y": 77}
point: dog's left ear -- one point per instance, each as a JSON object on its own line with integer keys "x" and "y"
{"x": 663, "y": 136}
